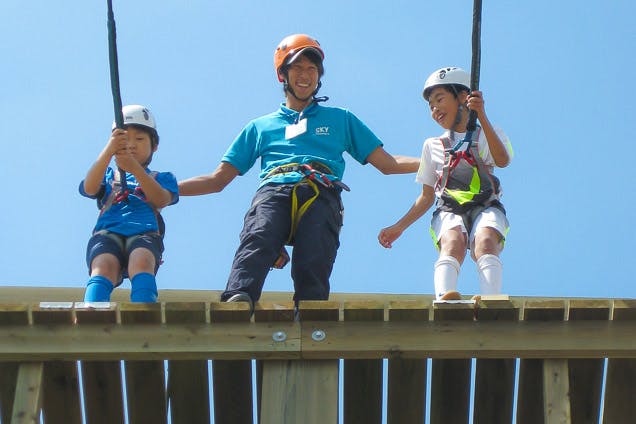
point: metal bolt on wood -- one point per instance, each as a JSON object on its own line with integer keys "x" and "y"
{"x": 279, "y": 336}
{"x": 318, "y": 335}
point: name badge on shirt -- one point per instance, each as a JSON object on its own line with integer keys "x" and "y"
{"x": 294, "y": 130}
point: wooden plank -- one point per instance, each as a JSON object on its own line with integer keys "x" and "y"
{"x": 145, "y": 380}
{"x": 232, "y": 379}
{"x": 26, "y": 408}
{"x": 101, "y": 380}
{"x": 188, "y": 382}
{"x": 495, "y": 378}
{"x": 60, "y": 397}
{"x": 298, "y": 391}
{"x": 450, "y": 378}
{"x": 270, "y": 312}
{"x": 556, "y": 392}
{"x": 10, "y": 314}
{"x": 586, "y": 375}
{"x": 363, "y": 377}
{"x": 349, "y": 340}
{"x": 406, "y": 386}
{"x": 530, "y": 400}
{"x": 620, "y": 385}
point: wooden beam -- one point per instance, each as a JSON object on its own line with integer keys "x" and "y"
{"x": 348, "y": 340}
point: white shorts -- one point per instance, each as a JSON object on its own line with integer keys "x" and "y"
{"x": 491, "y": 217}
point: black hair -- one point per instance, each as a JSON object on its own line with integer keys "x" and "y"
{"x": 313, "y": 56}
{"x": 152, "y": 133}
{"x": 454, "y": 89}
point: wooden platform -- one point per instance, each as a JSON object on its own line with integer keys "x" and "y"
{"x": 574, "y": 361}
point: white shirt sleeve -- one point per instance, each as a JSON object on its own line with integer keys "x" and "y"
{"x": 426, "y": 173}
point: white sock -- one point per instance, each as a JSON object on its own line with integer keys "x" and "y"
{"x": 445, "y": 275}
{"x": 490, "y": 271}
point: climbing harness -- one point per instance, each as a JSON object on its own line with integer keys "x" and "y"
{"x": 116, "y": 195}
{"x": 314, "y": 173}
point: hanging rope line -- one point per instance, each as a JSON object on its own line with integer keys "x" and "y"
{"x": 114, "y": 83}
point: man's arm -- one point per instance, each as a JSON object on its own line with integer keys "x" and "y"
{"x": 210, "y": 183}
{"x": 388, "y": 164}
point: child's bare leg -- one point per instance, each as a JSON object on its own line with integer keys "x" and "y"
{"x": 141, "y": 269}
{"x": 451, "y": 255}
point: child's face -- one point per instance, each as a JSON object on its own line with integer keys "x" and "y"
{"x": 444, "y": 106}
{"x": 139, "y": 144}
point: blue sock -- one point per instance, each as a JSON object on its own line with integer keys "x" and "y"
{"x": 98, "y": 289}
{"x": 144, "y": 288}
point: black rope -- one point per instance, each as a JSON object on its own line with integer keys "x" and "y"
{"x": 476, "y": 60}
{"x": 114, "y": 81}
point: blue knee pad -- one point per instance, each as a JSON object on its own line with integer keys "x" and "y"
{"x": 144, "y": 288}
{"x": 98, "y": 289}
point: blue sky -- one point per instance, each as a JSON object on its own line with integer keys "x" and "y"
{"x": 556, "y": 76}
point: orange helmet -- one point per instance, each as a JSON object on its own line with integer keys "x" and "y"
{"x": 292, "y": 47}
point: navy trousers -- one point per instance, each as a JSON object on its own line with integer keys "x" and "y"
{"x": 266, "y": 229}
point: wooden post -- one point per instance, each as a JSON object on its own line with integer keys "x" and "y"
{"x": 450, "y": 379}
{"x": 495, "y": 378}
{"x": 363, "y": 377}
{"x": 102, "y": 385}
{"x": 145, "y": 380}
{"x": 270, "y": 312}
{"x": 232, "y": 379}
{"x": 10, "y": 314}
{"x": 620, "y": 385}
{"x": 406, "y": 386}
{"x": 586, "y": 375}
{"x": 302, "y": 391}
{"x": 556, "y": 392}
{"x": 26, "y": 408}
{"x": 530, "y": 400}
{"x": 188, "y": 382}
{"x": 60, "y": 397}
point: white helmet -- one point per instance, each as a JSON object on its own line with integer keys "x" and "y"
{"x": 137, "y": 115}
{"x": 446, "y": 76}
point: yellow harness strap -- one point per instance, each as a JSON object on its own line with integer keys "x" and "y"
{"x": 297, "y": 212}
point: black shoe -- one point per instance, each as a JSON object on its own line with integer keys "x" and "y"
{"x": 242, "y": 297}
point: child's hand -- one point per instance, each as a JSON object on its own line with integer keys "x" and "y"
{"x": 388, "y": 235}
{"x": 126, "y": 161}
{"x": 118, "y": 141}
{"x": 476, "y": 103}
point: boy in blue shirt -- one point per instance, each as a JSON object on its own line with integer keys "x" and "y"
{"x": 127, "y": 240}
{"x": 298, "y": 202}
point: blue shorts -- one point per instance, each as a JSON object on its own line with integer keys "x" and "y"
{"x": 121, "y": 246}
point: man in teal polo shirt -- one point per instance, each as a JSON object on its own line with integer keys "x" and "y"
{"x": 298, "y": 202}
